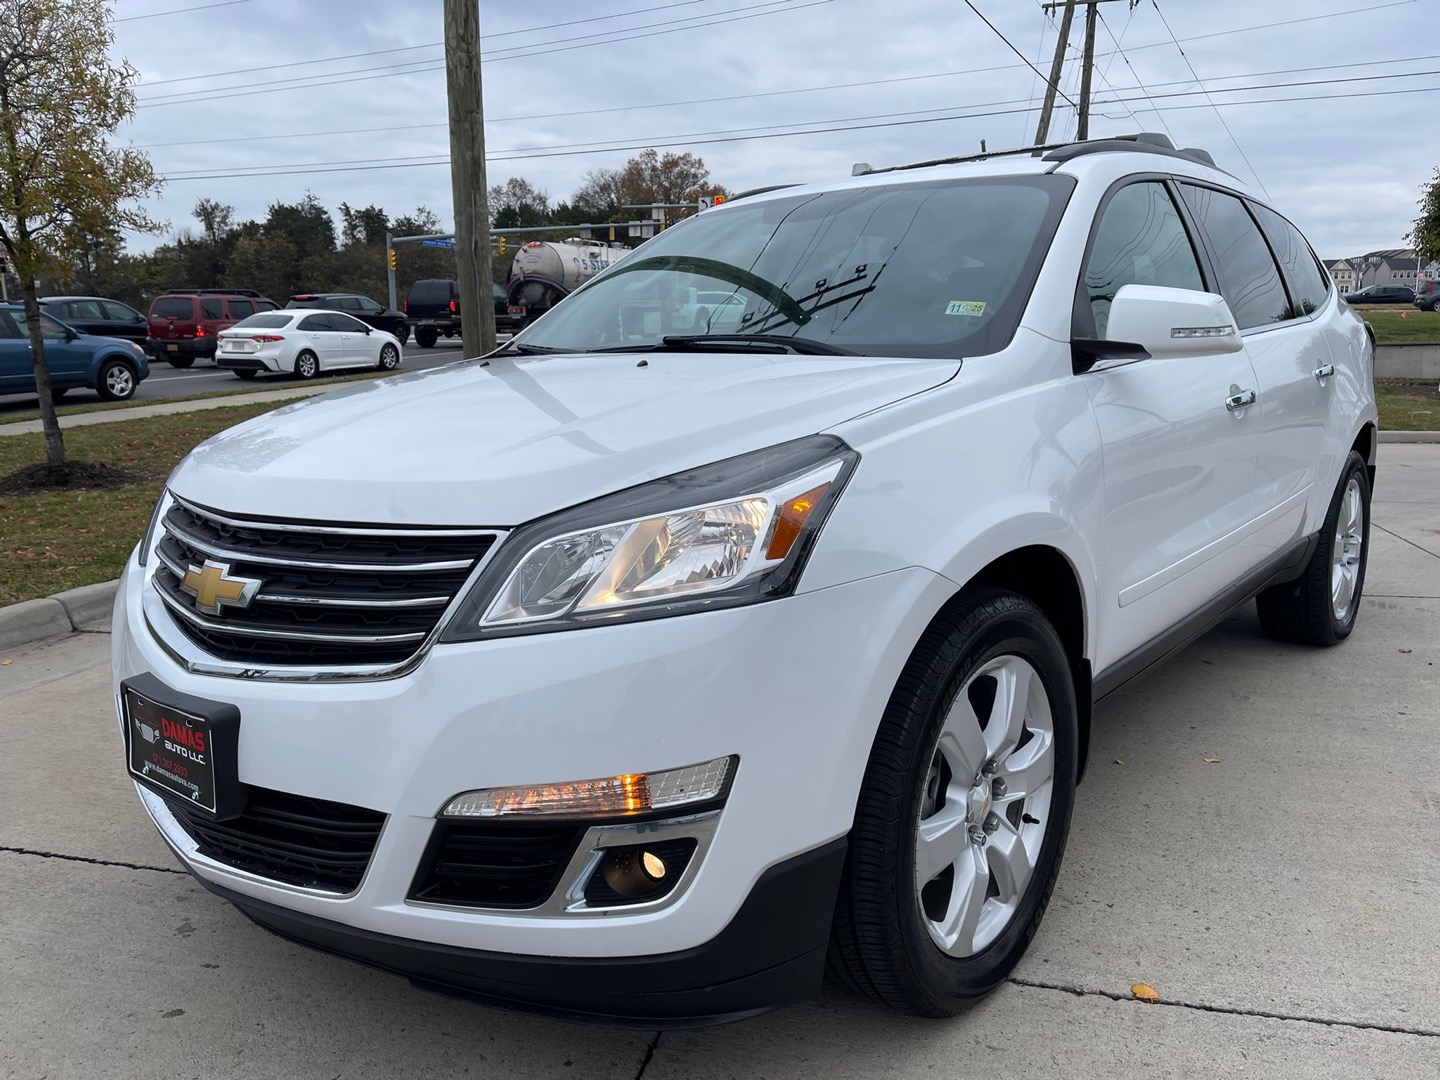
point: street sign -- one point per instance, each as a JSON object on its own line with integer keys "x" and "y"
{"x": 438, "y": 243}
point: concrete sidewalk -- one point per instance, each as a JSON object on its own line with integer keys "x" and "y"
{"x": 169, "y": 408}
{"x": 1283, "y": 900}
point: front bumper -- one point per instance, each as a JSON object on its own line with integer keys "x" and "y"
{"x": 795, "y": 688}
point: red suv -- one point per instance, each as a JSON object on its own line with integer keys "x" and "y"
{"x": 184, "y": 322}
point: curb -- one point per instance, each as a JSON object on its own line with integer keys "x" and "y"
{"x": 85, "y": 608}
{"x": 1410, "y": 436}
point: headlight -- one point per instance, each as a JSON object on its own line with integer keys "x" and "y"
{"x": 730, "y": 533}
{"x": 137, "y": 348}
{"x": 147, "y": 545}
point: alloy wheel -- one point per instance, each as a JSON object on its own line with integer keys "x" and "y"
{"x": 1345, "y": 554}
{"x": 119, "y": 381}
{"x": 986, "y": 801}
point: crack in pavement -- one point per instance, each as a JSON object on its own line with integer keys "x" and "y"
{"x": 1403, "y": 540}
{"x": 92, "y": 862}
{"x": 649, "y": 1055}
{"x": 1231, "y": 1010}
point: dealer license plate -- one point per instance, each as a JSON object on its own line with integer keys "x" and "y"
{"x": 184, "y": 753}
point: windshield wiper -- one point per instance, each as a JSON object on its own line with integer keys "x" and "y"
{"x": 804, "y": 346}
{"x": 512, "y": 348}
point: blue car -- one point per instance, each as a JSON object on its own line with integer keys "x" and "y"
{"x": 111, "y": 367}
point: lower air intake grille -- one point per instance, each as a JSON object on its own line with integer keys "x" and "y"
{"x": 289, "y": 838}
{"x": 495, "y": 865}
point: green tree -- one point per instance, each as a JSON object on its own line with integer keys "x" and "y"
{"x": 268, "y": 263}
{"x": 364, "y": 226}
{"x": 61, "y": 179}
{"x": 518, "y": 204}
{"x": 1425, "y": 235}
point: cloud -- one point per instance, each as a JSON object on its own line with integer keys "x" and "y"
{"x": 1346, "y": 170}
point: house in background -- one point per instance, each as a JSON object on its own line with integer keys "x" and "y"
{"x": 1343, "y": 274}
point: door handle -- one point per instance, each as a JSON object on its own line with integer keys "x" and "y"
{"x": 1240, "y": 400}
{"x": 1324, "y": 371}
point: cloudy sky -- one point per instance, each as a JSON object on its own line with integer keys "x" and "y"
{"x": 346, "y": 98}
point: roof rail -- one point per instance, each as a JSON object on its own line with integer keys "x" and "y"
{"x": 210, "y": 292}
{"x": 1149, "y": 142}
{"x": 758, "y": 191}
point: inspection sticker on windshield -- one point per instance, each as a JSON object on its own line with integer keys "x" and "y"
{"x": 965, "y": 307}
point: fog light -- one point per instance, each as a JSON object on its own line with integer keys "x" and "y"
{"x": 638, "y": 872}
{"x": 632, "y": 793}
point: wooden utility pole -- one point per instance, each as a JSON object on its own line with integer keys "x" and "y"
{"x": 467, "y": 175}
{"x": 1092, "y": 13}
{"x": 1057, "y": 66}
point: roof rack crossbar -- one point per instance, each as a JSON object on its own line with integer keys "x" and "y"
{"x": 1145, "y": 142}
{"x": 866, "y": 170}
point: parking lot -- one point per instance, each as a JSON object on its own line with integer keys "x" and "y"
{"x": 1258, "y": 838}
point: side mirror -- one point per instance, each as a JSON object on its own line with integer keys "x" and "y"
{"x": 1150, "y": 320}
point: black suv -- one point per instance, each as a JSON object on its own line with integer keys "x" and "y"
{"x": 98, "y": 316}
{"x": 361, "y": 307}
{"x": 433, "y": 308}
{"x": 1383, "y": 294}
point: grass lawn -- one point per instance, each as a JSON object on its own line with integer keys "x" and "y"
{"x": 59, "y": 540}
{"x": 1407, "y": 405}
{"x": 1398, "y": 323}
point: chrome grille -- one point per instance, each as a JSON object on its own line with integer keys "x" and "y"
{"x": 329, "y": 594}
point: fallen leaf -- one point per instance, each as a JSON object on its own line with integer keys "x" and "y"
{"x": 1117, "y": 760}
{"x": 1407, "y": 650}
{"x": 1211, "y": 761}
{"x": 6, "y": 663}
{"x": 1142, "y": 992}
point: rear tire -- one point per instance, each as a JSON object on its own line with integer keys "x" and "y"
{"x": 246, "y": 375}
{"x": 936, "y": 946}
{"x": 307, "y": 365}
{"x": 426, "y": 336}
{"x": 402, "y": 334}
{"x": 1319, "y": 607}
{"x": 180, "y": 361}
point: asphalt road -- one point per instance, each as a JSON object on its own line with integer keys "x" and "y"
{"x": 1282, "y": 899}
{"x": 204, "y": 378}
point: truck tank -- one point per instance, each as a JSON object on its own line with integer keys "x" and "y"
{"x": 545, "y": 272}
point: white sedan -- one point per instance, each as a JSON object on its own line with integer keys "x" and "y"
{"x": 304, "y": 342}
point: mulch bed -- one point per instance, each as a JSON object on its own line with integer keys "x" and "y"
{"x": 71, "y": 476}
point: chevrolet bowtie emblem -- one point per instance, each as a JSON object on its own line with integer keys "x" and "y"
{"x": 214, "y": 588}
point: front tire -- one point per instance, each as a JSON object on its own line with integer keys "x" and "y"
{"x": 116, "y": 381}
{"x": 389, "y": 358}
{"x": 1319, "y": 607}
{"x": 964, "y": 810}
{"x": 307, "y": 365}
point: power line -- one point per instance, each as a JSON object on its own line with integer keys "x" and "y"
{"x": 181, "y": 11}
{"x": 724, "y": 136}
{"x": 1013, "y": 49}
{"x": 306, "y": 82}
{"x": 413, "y": 48}
{"x": 1133, "y": 73}
{"x": 1272, "y": 25}
{"x": 1218, "y": 115}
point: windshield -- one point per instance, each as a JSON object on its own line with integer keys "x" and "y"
{"x": 939, "y": 269}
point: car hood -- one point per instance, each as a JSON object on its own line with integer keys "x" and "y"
{"x": 501, "y": 442}
{"x": 97, "y": 340}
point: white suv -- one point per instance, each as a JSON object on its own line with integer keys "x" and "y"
{"x": 628, "y": 673}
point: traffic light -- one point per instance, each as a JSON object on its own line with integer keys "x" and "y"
{"x": 502, "y": 245}
{"x": 392, "y": 258}
{"x": 717, "y": 200}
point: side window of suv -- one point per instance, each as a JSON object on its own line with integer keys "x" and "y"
{"x": 1309, "y": 281}
{"x": 1249, "y": 279}
{"x": 240, "y": 309}
{"x": 1140, "y": 241}
{"x": 211, "y": 309}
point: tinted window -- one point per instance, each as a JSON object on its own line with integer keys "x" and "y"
{"x": 346, "y": 323}
{"x": 211, "y": 309}
{"x": 239, "y": 309}
{"x": 83, "y": 309}
{"x": 937, "y": 268}
{"x": 265, "y": 305}
{"x": 1140, "y": 241}
{"x": 173, "y": 307}
{"x": 1308, "y": 281}
{"x": 1249, "y": 279}
{"x": 118, "y": 312}
{"x": 315, "y": 322}
{"x": 9, "y": 327}
{"x": 370, "y": 307}
{"x": 347, "y": 303}
{"x": 264, "y": 322}
{"x": 431, "y": 292}
{"x": 51, "y": 329}
{"x": 497, "y": 292}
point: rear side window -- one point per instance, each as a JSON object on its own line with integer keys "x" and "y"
{"x": 265, "y": 305}
{"x": 1140, "y": 241}
{"x": 1308, "y": 280}
{"x": 211, "y": 309}
{"x": 83, "y": 309}
{"x": 315, "y": 322}
{"x": 264, "y": 322}
{"x": 9, "y": 328}
{"x": 1249, "y": 279}
{"x": 173, "y": 307}
{"x": 239, "y": 309}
